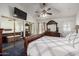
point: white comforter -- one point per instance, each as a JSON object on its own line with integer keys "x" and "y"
{"x": 51, "y": 46}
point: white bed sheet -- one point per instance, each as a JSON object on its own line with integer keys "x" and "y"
{"x": 51, "y": 46}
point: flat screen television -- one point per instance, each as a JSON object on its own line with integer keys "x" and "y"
{"x": 20, "y": 14}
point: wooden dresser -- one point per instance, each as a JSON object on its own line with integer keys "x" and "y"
{"x": 1, "y": 41}
{"x": 9, "y": 37}
{"x": 55, "y": 34}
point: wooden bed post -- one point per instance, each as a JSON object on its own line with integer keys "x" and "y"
{"x": 29, "y": 39}
{"x": 25, "y": 45}
{"x": 1, "y": 30}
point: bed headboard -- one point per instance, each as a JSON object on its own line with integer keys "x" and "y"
{"x": 77, "y": 28}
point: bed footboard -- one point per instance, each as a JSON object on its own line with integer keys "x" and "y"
{"x": 29, "y": 39}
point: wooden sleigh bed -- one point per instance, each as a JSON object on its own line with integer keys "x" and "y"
{"x": 50, "y": 45}
{"x": 32, "y": 38}
{"x": 51, "y": 42}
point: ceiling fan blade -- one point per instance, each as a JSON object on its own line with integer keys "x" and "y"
{"x": 36, "y": 11}
{"x": 49, "y": 13}
{"x": 48, "y": 9}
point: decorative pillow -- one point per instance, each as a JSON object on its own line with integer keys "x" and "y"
{"x": 77, "y": 34}
{"x": 68, "y": 36}
{"x": 77, "y": 38}
{"x": 75, "y": 42}
{"x": 71, "y": 36}
{"x": 73, "y": 39}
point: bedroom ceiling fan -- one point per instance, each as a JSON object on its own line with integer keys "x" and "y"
{"x": 44, "y": 10}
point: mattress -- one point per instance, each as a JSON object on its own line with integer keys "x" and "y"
{"x": 51, "y": 46}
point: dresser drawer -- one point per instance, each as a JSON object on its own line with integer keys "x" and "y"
{"x": 55, "y": 34}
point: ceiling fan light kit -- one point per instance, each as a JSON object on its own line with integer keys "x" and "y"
{"x": 43, "y": 15}
{"x": 46, "y": 11}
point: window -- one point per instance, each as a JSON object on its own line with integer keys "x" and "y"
{"x": 67, "y": 27}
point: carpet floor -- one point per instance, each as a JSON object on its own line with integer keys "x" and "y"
{"x": 14, "y": 50}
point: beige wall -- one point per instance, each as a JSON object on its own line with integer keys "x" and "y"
{"x": 6, "y": 10}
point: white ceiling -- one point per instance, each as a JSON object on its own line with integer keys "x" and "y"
{"x": 64, "y": 9}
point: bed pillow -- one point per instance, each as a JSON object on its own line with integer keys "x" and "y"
{"x": 77, "y": 34}
{"x": 77, "y": 38}
{"x": 71, "y": 36}
{"x": 67, "y": 37}
{"x": 74, "y": 38}
{"x": 75, "y": 43}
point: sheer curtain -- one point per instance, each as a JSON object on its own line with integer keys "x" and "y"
{"x": 41, "y": 27}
